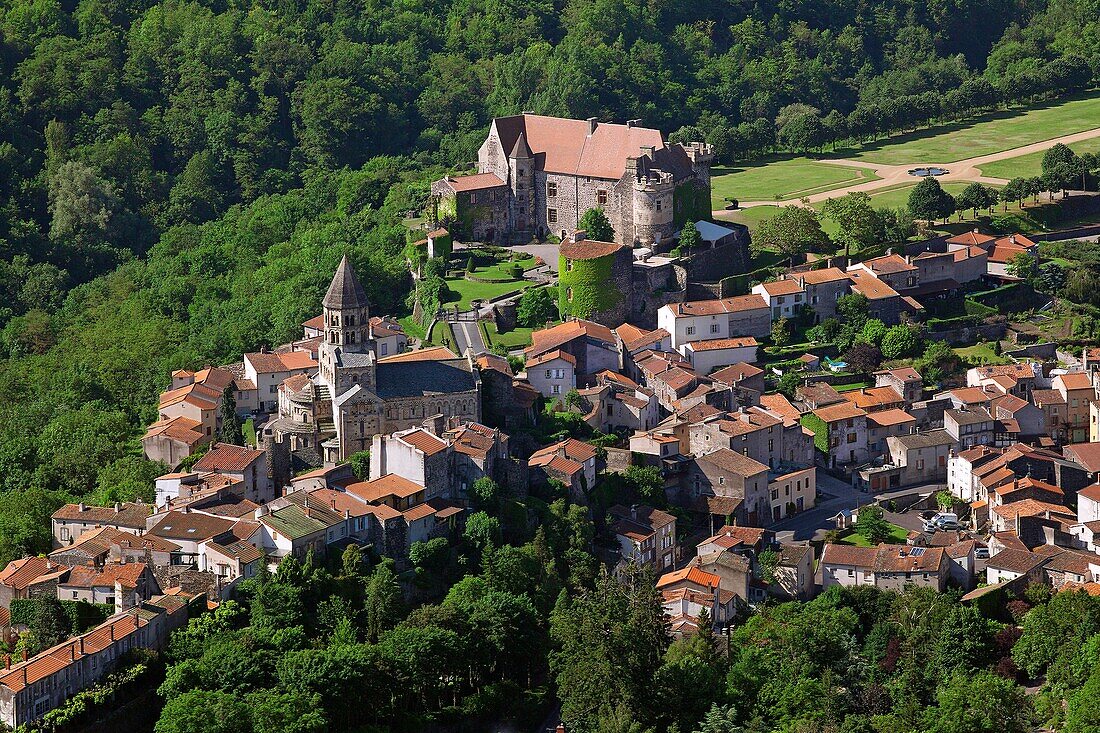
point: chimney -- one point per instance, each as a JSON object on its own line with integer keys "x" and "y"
{"x": 527, "y": 112}
{"x": 81, "y": 645}
{"x": 560, "y": 728}
{"x": 334, "y": 503}
{"x": 118, "y": 507}
{"x": 7, "y": 661}
{"x": 81, "y": 507}
{"x": 1012, "y": 238}
{"x": 976, "y": 230}
{"x": 647, "y": 151}
{"x": 593, "y": 122}
{"x": 111, "y": 629}
{"x": 633, "y": 123}
{"x": 579, "y": 235}
{"x": 24, "y": 655}
{"x": 633, "y": 511}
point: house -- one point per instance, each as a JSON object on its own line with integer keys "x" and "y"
{"x": 171, "y": 439}
{"x": 1011, "y": 564}
{"x": 646, "y": 536}
{"x": 922, "y": 457}
{"x": 1020, "y": 378}
{"x": 1077, "y": 392}
{"x": 553, "y": 374}
{"x": 871, "y": 399}
{"x": 885, "y": 424}
{"x": 244, "y": 465}
{"x": 794, "y": 573}
{"x": 841, "y": 433}
{"x": 1002, "y": 251}
{"x": 29, "y": 577}
{"x": 785, "y": 297}
{"x": 969, "y": 426}
{"x": 887, "y": 567}
{"x": 711, "y": 354}
{"x": 268, "y": 370}
{"x": 537, "y": 175}
{"x": 1016, "y": 420}
{"x": 684, "y": 593}
{"x": 35, "y": 686}
{"x": 893, "y": 270}
{"x": 618, "y": 403}
{"x": 72, "y": 520}
{"x": 883, "y": 302}
{"x": 745, "y": 382}
{"x": 961, "y": 470}
{"x": 823, "y": 289}
{"x": 697, "y": 320}
{"x": 724, "y": 473}
{"x": 571, "y": 449}
{"x": 121, "y": 585}
{"x": 1085, "y": 455}
{"x": 593, "y": 347}
{"x": 1008, "y": 517}
{"x": 817, "y": 394}
{"x": 793, "y": 489}
{"x": 906, "y": 381}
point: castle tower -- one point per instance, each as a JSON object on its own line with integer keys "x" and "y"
{"x": 521, "y": 170}
{"x": 346, "y": 311}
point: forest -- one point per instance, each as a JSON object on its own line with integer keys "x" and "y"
{"x": 179, "y": 179}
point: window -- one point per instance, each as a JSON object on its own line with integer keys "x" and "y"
{"x": 714, "y": 328}
{"x": 601, "y": 198}
{"x": 920, "y": 464}
{"x": 658, "y": 204}
{"x": 775, "y": 494}
{"x": 473, "y": 198}
{"x": 555, "y": 389}
{"x": 551, "y": 191}
{"x": 569, "y": 294}
{"x": 721, "y": 480}
{"x": 851, "y": 437}
{"x": 552, "y": 216}
{"x": 385, "y": 349}
{"x": 549, "y": 373}
{"x": 690, "y": 330}
{"x": 64, "y": 534}
{"x": 851, "y": 573}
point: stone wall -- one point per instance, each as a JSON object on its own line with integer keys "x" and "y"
{"x": 618, "y": 459}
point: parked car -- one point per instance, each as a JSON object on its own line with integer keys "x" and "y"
{"x": 981, "y": 553}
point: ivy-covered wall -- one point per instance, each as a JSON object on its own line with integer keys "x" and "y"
{"x": 593, "y": 288}
{"x": 820, "y": 430}
{"x": 691, "y": 202}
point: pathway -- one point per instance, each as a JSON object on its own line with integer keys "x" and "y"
{"x": 468, "y": 336}
{"x": 968, "y": 170}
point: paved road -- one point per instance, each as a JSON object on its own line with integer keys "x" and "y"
{"x": 548, "y": 253}
{"x": 968, "y": 169}
{"x": 468, "y": 336}
{"x": 815, "y": 522}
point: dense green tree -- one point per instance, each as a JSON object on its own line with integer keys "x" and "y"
{"x": 871, "y": 525}
{"x": 858, "y": 224}
{"x": 794, "y": 231}
{"x": 595, "y": 225}
{"x": 202, "y": 711}
{"x": 229, "y": 425}
{"x": 690, "y": 239}
{"x": 382, "y": 602}
{"x": 536, "y": 307}
{"x": 781, "y": 332}
{"x": 899, "y": 341}
{"x": 929, "y": 201}
{"x": 980, "y": 702}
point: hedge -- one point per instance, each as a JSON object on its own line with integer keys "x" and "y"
{"x": 820, "y": 430}
{"x": 935, "y": 324}
{"x": 82, "y": 614}
{"x": 974, "y": 308}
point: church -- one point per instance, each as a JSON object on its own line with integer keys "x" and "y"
{"x": 357, "y": 393}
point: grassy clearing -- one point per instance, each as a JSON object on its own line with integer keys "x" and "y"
{"x": 468, "y": 291}
{"x": 248, "y": 427}
{"x": 517, "y": 338}
{"x": 898, "y": 536}
{"x": 1031, "y": 164}
{"x": 781, "y": 180}
{"x": 985, "y": 135}
{"x": 981, "y": 353}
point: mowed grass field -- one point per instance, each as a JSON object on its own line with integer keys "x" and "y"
{"x": 1031, "y": 164}
{"x": 894, "y": 197}
{"x": 984, "y": 135}
{"x": 781, "y": 180}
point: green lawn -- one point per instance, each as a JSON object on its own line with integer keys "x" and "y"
{"x": 898, "y": 536}
{"x": 981, "y": 353}
{"x": 517, "y": 338}
{"x": 781, "y": 180}
{"x": 1031, "y": 164}
{"x": 502, "y": 271}
{"x": 982, "y": 136}
{"x": 249, "y": 430}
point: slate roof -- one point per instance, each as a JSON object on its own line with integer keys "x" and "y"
{"x": 416, "y": 378}
{"x": 345, "y": 291}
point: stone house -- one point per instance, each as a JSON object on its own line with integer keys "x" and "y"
{"x": 593, "y": 347}
{"x": 537, "y": 176}
{"x": 1078, "y": 393}
{"x": 575, "y": 451}
{"x": 845, "y": 433}
{"x": 969, "y": 426}
{"x": 794, "y": 574}
{"x": 645, "y": 535}
{"x": 793, "y": 490}
{"x": 724, "y": 473}
{"x": 884, "y": 424}
{"x": 893, "y": 270}
{"x": 29, "y": 577}
{"x": 883, "y": 302}
{"x": 887, "y": 567}
{"x": 122, "y": 585}
{"x": 906, "y": 381}
{"x": 710, "y": 354}
{"x": 823, "y": 289}
{"x": 72, "y": 520}
{"x": 244, "y": 465}
{"x": 921, "y": 457}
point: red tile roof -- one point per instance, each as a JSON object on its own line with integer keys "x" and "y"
{"x": 228, "y": 458}
{"x": 389, "y": 485}
{"x": 424, "y": 441}
{"x": 475, "y": 182}
{"x": 587, "y": 249}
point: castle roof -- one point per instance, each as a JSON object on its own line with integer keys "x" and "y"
{"x": 521, "y": 149}
{"x": 345, "y": 292}
{"x": 581, "y": 148}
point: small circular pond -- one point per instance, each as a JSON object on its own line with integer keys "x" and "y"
{"x": 925, "y": 172}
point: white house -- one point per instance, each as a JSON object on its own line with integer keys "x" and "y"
{"x": 785, "y": 298}
{"x": 1088, "y": 504}
{"x": 697, "y": 320}
{"x": 711, "y": 354}
{"x": 553, "y": 374}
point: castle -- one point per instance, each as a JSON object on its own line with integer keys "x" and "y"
{"x": 356, "y": 393}
{"x": 537, "y": 176}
